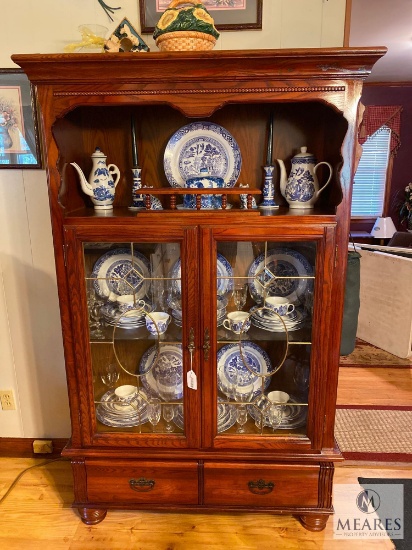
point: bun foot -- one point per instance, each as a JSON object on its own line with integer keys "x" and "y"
{"x": 91, "y": 516}
{"x": 314, "y": 522}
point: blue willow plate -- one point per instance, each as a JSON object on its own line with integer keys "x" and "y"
{"x": 120, "y": 273}
{"x": 229, "y": 360}
{"x": 279, "y": 262}
{"x": 202, "y": 145}
{"x": 224, "y": 276}
{"x": 166, "y": 376}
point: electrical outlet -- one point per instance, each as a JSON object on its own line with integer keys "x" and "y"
{"x": 7, "y": 400}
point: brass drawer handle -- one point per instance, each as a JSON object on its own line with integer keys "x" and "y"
{"x": 142, "y": 485}
{"x": 260, "y": 487}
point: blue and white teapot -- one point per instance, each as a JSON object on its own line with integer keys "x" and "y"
{"x": 102, "y": 181}
{"x": 301, "y": 188}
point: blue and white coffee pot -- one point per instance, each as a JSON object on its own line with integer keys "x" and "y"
{"x": 301, "y": 188}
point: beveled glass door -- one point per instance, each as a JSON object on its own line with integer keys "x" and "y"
{"x": 138, "y": 339}
{"x": 265, "y": 290}
{"x": 268, "y": 300}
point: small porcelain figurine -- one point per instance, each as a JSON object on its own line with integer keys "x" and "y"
{"x": 301, "y": 189}
{"x": 102, "y": 181}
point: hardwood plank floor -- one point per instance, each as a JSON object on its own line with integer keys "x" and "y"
{"x": 375, "y": 386}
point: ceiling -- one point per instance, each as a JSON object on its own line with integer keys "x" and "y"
{"x": 384, "y": 23}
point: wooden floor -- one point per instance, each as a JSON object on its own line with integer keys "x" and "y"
{"x": 375, "y": 386}
{"x": 37, "y": 513}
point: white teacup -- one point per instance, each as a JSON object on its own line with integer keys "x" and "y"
{"x": 279, "y": 305}
{"x": 237, "y": 321}
{"x": 126, "y": 394}
{"x": 157, "y": 322}
{"x": 278, "y": 397}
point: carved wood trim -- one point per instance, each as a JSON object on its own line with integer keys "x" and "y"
{"x": 276, "y": 89}
{"x": 326, "y": 472}
{"x": 79, "y": 480}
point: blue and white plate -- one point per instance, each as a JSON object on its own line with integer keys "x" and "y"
{"x": 281, "y": 262}
{"x": 119, "y": 272}
{"x": 224, "y": 276}
{"x": 110, "y": 413}
{"x": 293, "y": 416}
{"x": 229, "y": 360}
{"x": 165, "y": 378}
{"x": 202, "y": 145}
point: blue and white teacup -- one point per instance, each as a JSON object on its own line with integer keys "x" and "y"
{"x": 126, "y": 302}
{"x": 157, "y": 322}
{"x": 279, "y": 305}
{"x": 237, "y": 321}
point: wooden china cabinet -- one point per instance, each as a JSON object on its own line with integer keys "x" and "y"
{"x": 201, "y": 416}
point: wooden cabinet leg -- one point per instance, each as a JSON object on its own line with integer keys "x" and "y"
{"x": 91, "y": 516}
{"x": 314, "y": 522}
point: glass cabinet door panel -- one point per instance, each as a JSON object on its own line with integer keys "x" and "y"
{"x": 264, "y": 318}
{"x": 134, "y": 300}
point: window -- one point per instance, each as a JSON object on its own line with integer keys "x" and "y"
{"x": 370, "y": 179}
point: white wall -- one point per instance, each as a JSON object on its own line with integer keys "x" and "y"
{"x": 31, "y": 353}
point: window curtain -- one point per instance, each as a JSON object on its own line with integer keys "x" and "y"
{"x": 376, "y": 116}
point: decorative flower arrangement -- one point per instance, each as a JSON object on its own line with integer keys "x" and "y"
{"x": 8, "y": 117}
{"x": 405, "y": 211}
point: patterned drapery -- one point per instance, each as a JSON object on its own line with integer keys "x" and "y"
{"x": 376, "y": 116}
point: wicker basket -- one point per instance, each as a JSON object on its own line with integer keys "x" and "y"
{"x": 180, "y": 41}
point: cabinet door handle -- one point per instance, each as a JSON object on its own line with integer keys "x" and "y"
{"x": 261, "y": 487}
{"x": 142, "y": 485}
{"x": 206, "y": 344}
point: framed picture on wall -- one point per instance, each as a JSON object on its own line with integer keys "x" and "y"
{"x": 229, "y": 15}
{"x": 19, "y": 137}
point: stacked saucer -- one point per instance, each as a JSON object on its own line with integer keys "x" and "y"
{"x": 133, "y": 318}
{"x": 222, "y": 302}
{"x": 111, "y": 412}
{"x": 226, "y": 416}
{"x": 265, "y": 319}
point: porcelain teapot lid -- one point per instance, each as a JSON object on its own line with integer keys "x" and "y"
{"x": 303, "y": 153}
{"x": 98, "y": 153}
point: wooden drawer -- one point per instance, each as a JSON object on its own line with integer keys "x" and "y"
{"x": 142, "y": 482}
{"x": 260, "y": 484}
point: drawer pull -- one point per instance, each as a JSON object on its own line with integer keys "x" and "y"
{"x": 260, "y": 487}
{"x": 142, "y": 485}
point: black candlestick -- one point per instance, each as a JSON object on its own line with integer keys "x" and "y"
{"x": 134, "y": 146}
{"x": 270, "y": 139}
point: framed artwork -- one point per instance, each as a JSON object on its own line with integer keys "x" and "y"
{"x": 19, "y": 137}
{"x": 229, "y": 15}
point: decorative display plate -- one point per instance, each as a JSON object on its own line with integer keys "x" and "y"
{"x": 229, "y": 359}
{"x": 117, "y": 265}
{"x": 293, "y": 416}
{"x": 224, "y": 276}
{"x": 202, "y": 145}
{"x": 281, "y": 262}
{"x": 166, "y": 376}
{"x": 226, "y": 417}
{"x": 111, "y": 413}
